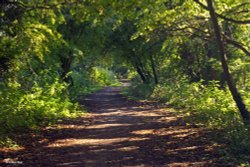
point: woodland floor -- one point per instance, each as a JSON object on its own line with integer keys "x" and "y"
{"x": 118, "y": 132}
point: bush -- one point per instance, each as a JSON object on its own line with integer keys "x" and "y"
{"x": 239, "y": 140}
{"x": 104, "y": 77}
{"x": 25, "y": 109}
{"x": 82, "y": 85}
{"x": 213, "y": 106}
{"x": 85, "y": 83}
{"x": 139, "y": 91}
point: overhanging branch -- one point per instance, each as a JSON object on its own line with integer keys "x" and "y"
{"x": 237, "y": 45}
{"x": 223, "y": 17}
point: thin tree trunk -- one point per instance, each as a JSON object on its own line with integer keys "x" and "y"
{"x": 139, "y": 71}
{"x": 144, "y": 71}
{"x": 236, "y": 95}
{"x": 66, "y": 66}
{"x": 139, "y": 68}
{"x": 153, "y": 69}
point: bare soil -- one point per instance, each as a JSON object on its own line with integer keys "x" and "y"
{"x": 118, "y": 132}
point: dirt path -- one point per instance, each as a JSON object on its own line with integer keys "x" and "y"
{"x": 120, "y": 133}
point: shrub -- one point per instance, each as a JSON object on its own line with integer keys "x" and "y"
{"x": 104, "y": 77}
{"x": 24, "y": 109}
{"x": 138, "y": 90}
{"x": 82, "y": 85}
{"x": 212, "y": 105}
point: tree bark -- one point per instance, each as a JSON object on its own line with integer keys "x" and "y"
{"x": 139, "y": 71}
{"x": 153, "y": 69}
{"x": 236, "y": 95}
{"x": 66, "y": 67}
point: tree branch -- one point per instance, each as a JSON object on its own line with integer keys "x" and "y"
{"x": 237, "y": 45}
{"x": 223, "y": 17}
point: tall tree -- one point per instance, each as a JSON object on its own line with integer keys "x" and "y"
{"x": 218, "y": 37}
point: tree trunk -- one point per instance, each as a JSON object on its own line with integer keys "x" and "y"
{"x": 139, "y": 68}
{"x": 236, "y": 95}
{"x": 153, "y": 69}
{"x": 139, "y": 71}
{"x": 66, "y": 66}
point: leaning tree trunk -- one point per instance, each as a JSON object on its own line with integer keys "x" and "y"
{"x": 236, "y": 95}
{"x": 139, "y": 71}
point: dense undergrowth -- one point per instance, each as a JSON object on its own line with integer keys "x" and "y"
{"x": 205, "y": 105}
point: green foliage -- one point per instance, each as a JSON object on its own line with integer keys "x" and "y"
{"x": 7, "y": 142}
{"x": 41, "y": 105}
{"x": 238, "y": 138}
{"x": 83, "y": 85}
{"x": 44, "y": 44}
{"x": 246, "y": 95}
{"x": 104, "y": 77}
{"x": 207, "y": 104}
{"x": 46, "y": 61}
{"x": 212, "y": 105}
{"x": 138, "y": 90}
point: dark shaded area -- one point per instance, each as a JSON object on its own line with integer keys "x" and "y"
{"x": 120, "y": 133}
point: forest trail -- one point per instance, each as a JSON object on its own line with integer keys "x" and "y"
{"x": 120, "y": 132}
